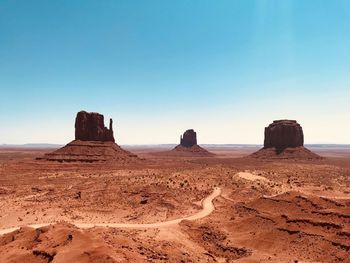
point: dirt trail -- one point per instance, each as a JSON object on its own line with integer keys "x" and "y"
{"x": 336, "y": 195}
{"x": 207, "y": 209}
{"x": 252, "y": 177}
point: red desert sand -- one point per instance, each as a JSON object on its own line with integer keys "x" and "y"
{"x": 161, "y": 208}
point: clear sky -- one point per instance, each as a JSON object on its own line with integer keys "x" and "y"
{"x": 224, "y": 68}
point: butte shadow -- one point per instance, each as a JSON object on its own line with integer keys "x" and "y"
{"x": 284, "y": 139}
{"x": 93, "y": 142}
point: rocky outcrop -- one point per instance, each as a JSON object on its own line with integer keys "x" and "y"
{"x": 189, "y": 138}
{"x": 188, "y": 147}
{"x": 90, "y": 151}
{"x": 93, "y": 143}
{"x": 284, "y": 139}
{"x": 283, "y": 134}
{"x": 89, "y": 126}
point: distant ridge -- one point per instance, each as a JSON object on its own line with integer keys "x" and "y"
{"x": 32, "y": 145}
{"x": 329, "y": 146}
{"x": 170, "y": 145}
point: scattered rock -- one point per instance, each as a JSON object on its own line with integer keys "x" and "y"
{"x": 144, "y": 201}
{"x": 77, "y": 195}
{"x": 36, "y": 189}
{"x": 44, "y": 255}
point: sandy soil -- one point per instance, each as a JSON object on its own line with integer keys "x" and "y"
{"x": 207, "y": 209}
{"x": 265, "y": 211}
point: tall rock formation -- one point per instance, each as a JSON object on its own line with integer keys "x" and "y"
{"x": 283, "y": 134}
{"x": 93, "y": 142}
{"x": 90, "y": 127}
{"x": 188, "y": 146}
{"x": 284, "y": 139}
{"x": 189, "y": 138}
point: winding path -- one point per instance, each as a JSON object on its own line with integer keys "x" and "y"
{"x": 207, "y": 209}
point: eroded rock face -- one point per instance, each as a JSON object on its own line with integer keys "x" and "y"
{"x": 283, "y": 134}
{"x": 93, "y": 143}
{"x": 90, "y": 127}
{"x": 189, "y": 138}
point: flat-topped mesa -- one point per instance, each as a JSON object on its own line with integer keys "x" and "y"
{"x": 89, "y": 126}
{"x": 282, "y": 134}
{"x": 189, "y": 138}
{"x": 284, "y": 139}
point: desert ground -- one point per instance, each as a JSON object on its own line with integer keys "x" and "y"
{"x": 226, "y": 208}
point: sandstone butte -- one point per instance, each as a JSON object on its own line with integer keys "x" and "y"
{"x": 93, "y": 142}
{"x": 188, "y": 146}
{"x": 284, "y": 139}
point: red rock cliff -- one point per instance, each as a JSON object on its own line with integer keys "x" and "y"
{"x": 283, "y": 134}
{"x": 189, "y": 138}
{"x": 90, "y": 127}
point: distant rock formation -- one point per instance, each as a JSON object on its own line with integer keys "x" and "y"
{"x": 93, "y": 142}
{"x": 284, "y": 139}
{"x": 188, "y": 146}
{"x": 90, "y": 127}
{"x": 189, "y": 138}
{"x": 283, "y": 134}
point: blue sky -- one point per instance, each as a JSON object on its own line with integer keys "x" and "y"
{"x": 224, "y": 68}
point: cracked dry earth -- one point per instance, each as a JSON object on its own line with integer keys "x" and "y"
{"x": 268, "y": 211}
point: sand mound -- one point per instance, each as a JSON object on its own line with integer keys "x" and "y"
{"x": 90, "y": 151}
{"x": 297, "y": 153}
